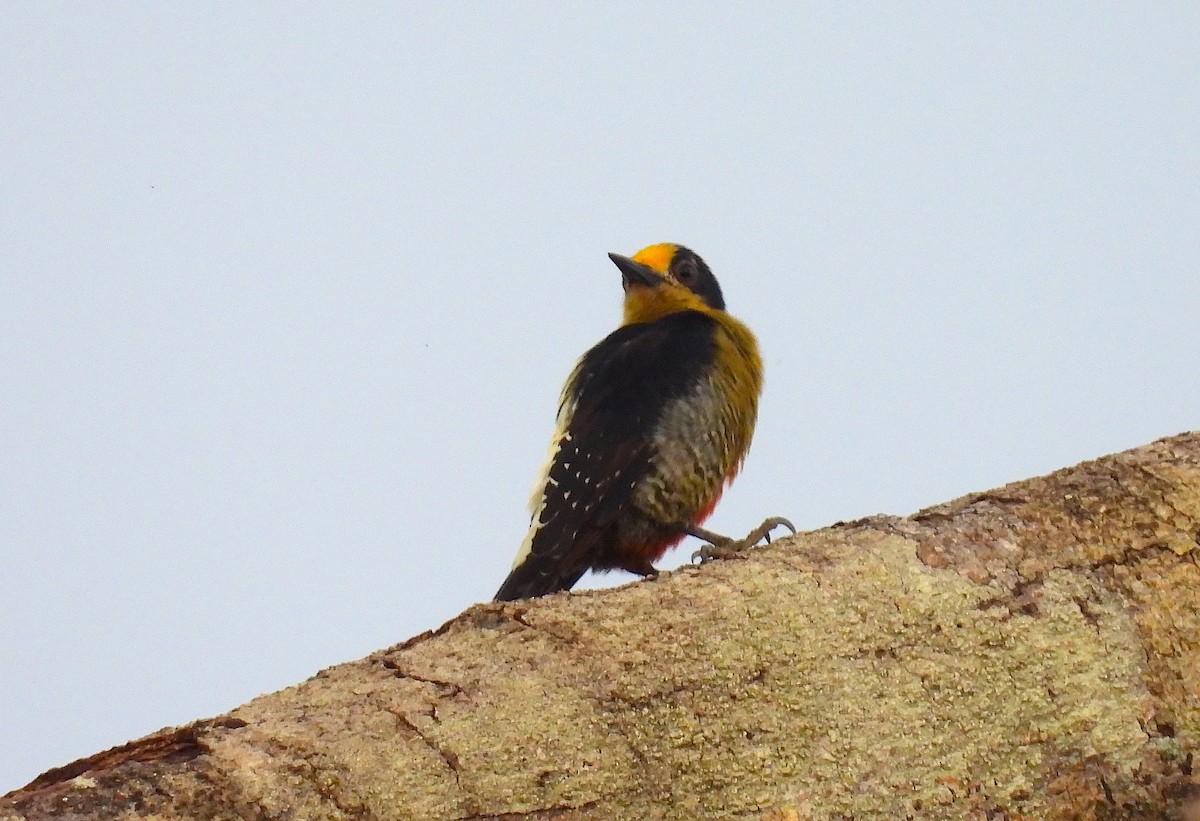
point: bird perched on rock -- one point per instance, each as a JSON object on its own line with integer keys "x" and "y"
{"x": 653, "y": 423}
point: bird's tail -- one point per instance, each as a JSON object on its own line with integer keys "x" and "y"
{"x": 548, "y": 571}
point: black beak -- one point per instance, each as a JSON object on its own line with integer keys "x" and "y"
{"x": 634, "y": 273}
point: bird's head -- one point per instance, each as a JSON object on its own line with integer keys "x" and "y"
{"x": 664, "y": 279}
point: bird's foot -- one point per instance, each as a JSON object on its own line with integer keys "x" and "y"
{"x": 640, "y": 567}
{"x": 723, "y": 547}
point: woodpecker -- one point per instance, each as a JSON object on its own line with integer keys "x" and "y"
{"x": 653, "y": 423}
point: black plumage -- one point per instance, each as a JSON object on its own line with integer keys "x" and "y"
{"x": 614, "y": 398}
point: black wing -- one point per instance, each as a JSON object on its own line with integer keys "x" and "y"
{"x": 613, "y": 401}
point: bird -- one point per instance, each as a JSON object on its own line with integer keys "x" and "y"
{"x": 653, "y": 423}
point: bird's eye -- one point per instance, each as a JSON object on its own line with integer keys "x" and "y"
{"x": 686, "y": 272}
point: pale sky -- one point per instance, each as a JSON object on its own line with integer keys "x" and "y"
{"x": 288, "y": 296}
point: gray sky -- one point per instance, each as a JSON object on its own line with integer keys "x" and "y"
{"x": 288, "y": 296}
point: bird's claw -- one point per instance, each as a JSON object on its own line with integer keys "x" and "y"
{"x": 763, "y": 531}
{"x": 722, "y": 548}
{"x": 708, "y": 552}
